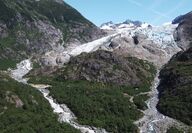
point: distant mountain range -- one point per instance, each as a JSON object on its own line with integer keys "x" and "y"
{"x": 128, "y": 23}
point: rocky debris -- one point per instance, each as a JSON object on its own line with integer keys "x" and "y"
{"x": 107, "y": 67}
{"x": 54, "y": 58}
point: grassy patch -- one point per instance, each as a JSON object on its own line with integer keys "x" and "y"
{"x": 7, "y": 42}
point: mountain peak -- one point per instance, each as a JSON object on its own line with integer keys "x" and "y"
{"x": 126, "y": 24}
{"x": 137, "y": 23}
{"x": 181, "y": 18}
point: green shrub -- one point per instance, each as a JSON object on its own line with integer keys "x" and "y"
{"x": 34, "y": 116}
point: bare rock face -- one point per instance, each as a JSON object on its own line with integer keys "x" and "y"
{"x": 52, "y": 36}
{"x": 183, "y": 32}
{"x": 40, "y": 27}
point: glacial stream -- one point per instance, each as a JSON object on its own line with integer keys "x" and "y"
{"x": 153, "y": 121}
{"x": 64, "y": 113}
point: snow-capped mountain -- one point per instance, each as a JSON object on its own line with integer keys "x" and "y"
{"x": 158, "y": 34}
{"x": 152, "y": 43}
{"x": 126, "y": 24}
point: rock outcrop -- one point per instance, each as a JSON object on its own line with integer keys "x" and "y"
{"x": 183, "y": 32}
{"x": 107, "y": 67}
{"x": 33, "y": 28}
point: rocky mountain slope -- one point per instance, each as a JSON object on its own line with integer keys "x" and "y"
{"x": 32, "y": 28}
{"x": 176, "y": 77}
{"x": 107, "y": 67}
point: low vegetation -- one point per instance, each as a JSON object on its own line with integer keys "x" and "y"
{"x": 7, "y": 63}
{"x": 174, "y": 130}
{"x": 139, "y": 101}
{"x": 23, "y": 109}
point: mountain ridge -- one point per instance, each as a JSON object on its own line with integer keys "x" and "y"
{"x": 32, "y": 28}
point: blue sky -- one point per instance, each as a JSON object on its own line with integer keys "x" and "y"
{"x": 155, "y": 12}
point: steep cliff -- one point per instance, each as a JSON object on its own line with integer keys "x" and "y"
{"x": 183, "y": 32}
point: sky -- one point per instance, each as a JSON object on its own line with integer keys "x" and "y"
{"x": 155, "y": 12}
